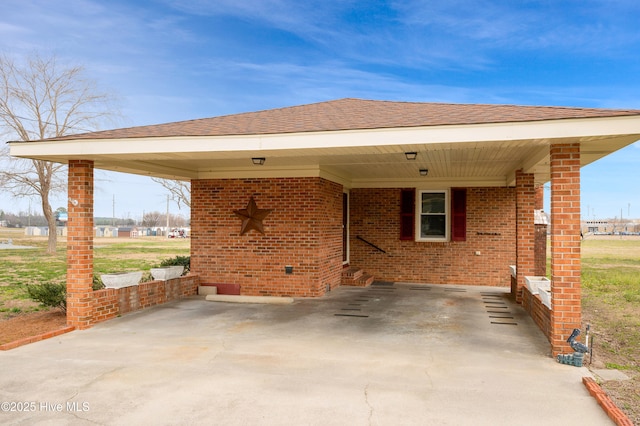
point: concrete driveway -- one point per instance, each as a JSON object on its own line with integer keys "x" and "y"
{"x": 384, "y": 355}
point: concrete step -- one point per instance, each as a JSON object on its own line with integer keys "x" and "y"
{"x": 205, "y": 290}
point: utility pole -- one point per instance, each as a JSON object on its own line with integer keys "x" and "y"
{"x": 113, "y": 213}
{"x": 167, "y": 216}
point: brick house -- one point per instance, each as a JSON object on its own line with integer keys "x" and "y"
{"x": 297, "y": 201}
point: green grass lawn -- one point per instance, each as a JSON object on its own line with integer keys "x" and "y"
{"x": 19, "y": 268}
{"x": 611, "y": 304}
{"x": 611, "y": 295}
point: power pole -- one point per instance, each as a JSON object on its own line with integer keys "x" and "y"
{"x": 167, "y": 216}
{"x": 113, "y": 213}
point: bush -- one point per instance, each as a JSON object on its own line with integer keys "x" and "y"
{"x": 178, "y": 261}
{"x": 50, "y": 295}
{"x": 146, "y": 277}
{"x": 97, "y": 282}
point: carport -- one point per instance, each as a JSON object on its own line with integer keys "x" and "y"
{"x": 347, "y": 191}
{"x": 383, "y": 355}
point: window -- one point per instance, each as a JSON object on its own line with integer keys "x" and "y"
{"x": 439, "y": 215}
{"x": 432, "y": 219}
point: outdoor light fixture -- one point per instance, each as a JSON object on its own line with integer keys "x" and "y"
{"x": 411, "y": 155}
{"x": 258, "y": 161}
{"x": 424, "y": 172}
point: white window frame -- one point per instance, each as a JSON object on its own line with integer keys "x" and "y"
{"x": 447, "y": 214}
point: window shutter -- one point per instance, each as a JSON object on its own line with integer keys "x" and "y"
{"x": 458, "y": 214}
{"x": 407, "y": 214}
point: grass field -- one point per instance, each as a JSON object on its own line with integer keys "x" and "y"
{"x": 19, "y": 268}
{"x": 611, "y": 305}
{"x": 610, "y": 291}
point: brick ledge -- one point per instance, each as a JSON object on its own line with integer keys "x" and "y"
{"x": 37, "y": 338}
{"x": 614, "y": 413}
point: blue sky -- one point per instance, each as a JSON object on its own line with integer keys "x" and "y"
{"x": 183, "y": 59}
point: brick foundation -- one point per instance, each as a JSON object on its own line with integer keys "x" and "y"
{"x": 491, "y": 230}
{"x": 110, "y": 303}
{"x": 303, "y": 230}
{"x": 540, "y": 314}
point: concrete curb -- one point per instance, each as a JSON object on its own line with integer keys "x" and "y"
{"x": 32, "y": 339}
{"x": 249, "y": 299}
{"x": 606, "y": 403}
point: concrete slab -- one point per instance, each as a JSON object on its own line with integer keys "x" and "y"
{"x": 9, "y": 246}
{"x": 382, "y": 355}
{"x": 610, "y": 374}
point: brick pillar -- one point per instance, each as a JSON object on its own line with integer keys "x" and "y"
{"x": 525, "y": 230}
{"x": 565, "y": 245}
{"x": 539, "y": 197}
{"x": 80, "y": 244}
{"x": 541, "y": 250}
{"x": 541, "y": 237}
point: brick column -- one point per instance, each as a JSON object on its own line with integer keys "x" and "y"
{"x": 539, "y": 197}
{"x": 525, "y": 229}
{"x": 565, "y": 245}
{"x": 80, "y": 244}
{"x": 541, "y": 237}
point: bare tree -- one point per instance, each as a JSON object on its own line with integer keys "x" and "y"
{"x": 152, "y": 219}
{"x": 180, "y": 191}
{"x": 40, "y": 100}
{"x": 157, "y": 219}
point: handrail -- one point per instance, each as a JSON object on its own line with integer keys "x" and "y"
{"x": 370, "y": 243}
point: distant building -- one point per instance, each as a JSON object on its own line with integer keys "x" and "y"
{"x": 126, "y": 233}
{"x": 611, "y": 227}
{"x": 106, "y": 231}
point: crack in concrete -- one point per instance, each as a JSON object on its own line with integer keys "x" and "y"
{"x": 74, "y": 414}
{"x": 366, "y": 400}
{"x": 221, "y": 351}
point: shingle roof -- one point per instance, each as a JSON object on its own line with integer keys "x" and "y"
{"x": 353, "y": 114}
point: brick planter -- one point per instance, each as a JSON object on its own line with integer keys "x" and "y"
{"x": 167, "y": 272}
{"x": 109, "y": 303}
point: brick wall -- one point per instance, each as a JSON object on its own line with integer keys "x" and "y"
{"x": 303, "y": 230}
{"x": 109, "y": 303}
{"x": 538, "y": 311}
{"x": 491, "y": 230}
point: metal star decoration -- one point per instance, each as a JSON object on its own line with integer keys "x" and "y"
{"x": 252, "y": 217}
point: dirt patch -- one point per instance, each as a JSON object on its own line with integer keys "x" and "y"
{"x": 625, "y": 394}
{"x": 612, "y": 351}
{"x": 31, "y": 324}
